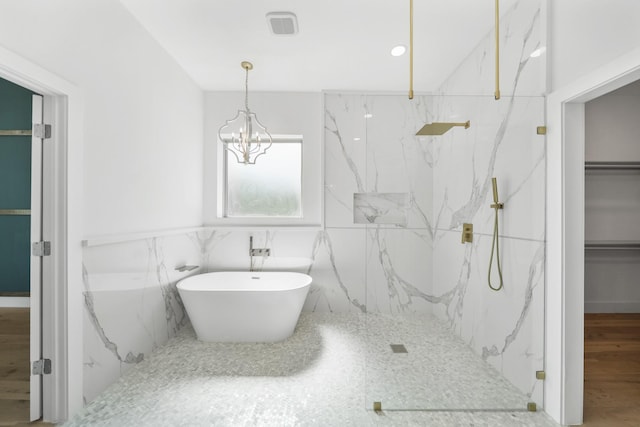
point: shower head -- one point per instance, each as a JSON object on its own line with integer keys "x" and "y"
{"x": 440, "y": 128}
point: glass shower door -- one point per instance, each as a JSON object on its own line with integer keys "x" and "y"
{"x": 437, "y": 337}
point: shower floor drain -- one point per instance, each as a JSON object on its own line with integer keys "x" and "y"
{"x": 398, "y": 348}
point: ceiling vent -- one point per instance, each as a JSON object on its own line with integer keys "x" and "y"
{"x": 282, "y": 23}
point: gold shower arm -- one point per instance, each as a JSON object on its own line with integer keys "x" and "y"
{"x": 440, "y": 128}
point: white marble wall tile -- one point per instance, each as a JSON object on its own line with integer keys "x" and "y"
{"x": 381, "y": 208}
{"x": 345, "y": 156}
{"x": 399, "y": 271}
{"x": 131, "y": 303}
{"x": 505, "y": 327}
{"x": 289, "y": 250}
{"x": 333, "y": 258}
{"x": 338, "y": 272}
{"x": 502, "y": 143}
{"x": 397, "y": 160}
{"x": 522, "y": 31}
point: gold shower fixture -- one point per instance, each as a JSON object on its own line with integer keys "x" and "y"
{"x": 497, "y": 92}
{"x": 440, "y": 128}
{"x": 410, "y": 49}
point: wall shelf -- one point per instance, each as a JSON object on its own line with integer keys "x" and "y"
{"x": 612, "y": 166}
{"x": 615, "y": 245}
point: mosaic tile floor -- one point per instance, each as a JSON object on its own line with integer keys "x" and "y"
{"x": 326, "y": 374}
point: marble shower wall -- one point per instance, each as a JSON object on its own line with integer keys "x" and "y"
{"x": 131, "y": 303}
{"x": 374, "y": 252}
{"x": 506, "y": 328}
{"x": 371, "y": 152}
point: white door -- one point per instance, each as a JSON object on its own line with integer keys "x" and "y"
{"x": 35, "y": 350}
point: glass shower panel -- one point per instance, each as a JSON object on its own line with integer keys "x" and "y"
{"x": 437, "y": 337}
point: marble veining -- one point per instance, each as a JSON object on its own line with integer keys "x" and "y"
{"x": 413, "y": 264}
{"x": 380, "y": 208}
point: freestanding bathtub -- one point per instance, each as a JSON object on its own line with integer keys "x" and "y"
{"x": 244, "y": 306}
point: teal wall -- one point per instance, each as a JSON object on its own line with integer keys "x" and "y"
{"x": 15, "y": 187}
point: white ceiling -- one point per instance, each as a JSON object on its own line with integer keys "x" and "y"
{"x": 341, "y": 44}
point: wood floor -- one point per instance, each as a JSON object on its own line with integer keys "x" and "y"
{"x": 14, "y": 367}
{"x": 612, "y": 370}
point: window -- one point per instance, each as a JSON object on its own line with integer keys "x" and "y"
{"x": 272, "y": 187}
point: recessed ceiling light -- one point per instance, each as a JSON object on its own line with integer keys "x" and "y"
{"x": 356, "y": 139}
{"x": 398, "y": 50}
{"x": 368, "y": 115}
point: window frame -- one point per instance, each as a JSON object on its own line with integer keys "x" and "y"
{"x": 275, "y": 139}
{"x": 312, "y": 153}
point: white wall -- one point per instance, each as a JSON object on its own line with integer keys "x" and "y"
{"x": 143, "y": 114}
{"x": 587, "y": 34}
{"x": 134, "y": 141}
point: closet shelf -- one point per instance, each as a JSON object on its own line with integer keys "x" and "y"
{"x": 625, "y": 245}
{"x": 612, "y": 165}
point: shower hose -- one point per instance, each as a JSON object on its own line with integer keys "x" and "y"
{"x": 495, "y": 244}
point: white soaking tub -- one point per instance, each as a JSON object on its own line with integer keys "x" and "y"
{"x": 244, "y": 306}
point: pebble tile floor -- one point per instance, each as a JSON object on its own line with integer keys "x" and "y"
{"x": 328, "y": 373}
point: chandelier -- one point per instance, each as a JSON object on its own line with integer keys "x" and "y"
{"x": 244, "y": 135}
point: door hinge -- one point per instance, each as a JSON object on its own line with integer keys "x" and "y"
{"x": 41, "y": 248}
{"x": 41, "y": 367}
{"x": 41, "y": 130}
{"x": 541, "y": 130}
{"x": 541, "y": 375}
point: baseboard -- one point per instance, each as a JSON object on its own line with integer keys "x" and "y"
{"x": 612, "y": 307}
{"x": 14, "y": 302}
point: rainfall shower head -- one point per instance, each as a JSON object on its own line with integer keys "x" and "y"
{"x": 440, "y": 128}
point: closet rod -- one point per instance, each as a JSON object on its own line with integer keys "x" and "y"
{"x": 612, "y": 165}
{"x": 15, "y": 132}
{"x": 613, "y": 245}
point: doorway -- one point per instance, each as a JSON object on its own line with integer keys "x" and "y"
{"x": 565, "y": 296}
{"x": 612, "y": 258}
{"x": 21, "y": 113}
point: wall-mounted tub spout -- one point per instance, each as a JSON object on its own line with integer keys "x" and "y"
{"x": 495, "y": 244}
{"x": 257, "y": 251}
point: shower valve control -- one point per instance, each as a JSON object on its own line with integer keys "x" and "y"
{"x": 260, "y": 252}
{"x": 467, "y": 233}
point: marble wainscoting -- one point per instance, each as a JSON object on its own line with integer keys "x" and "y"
{"x": 132, "y": 306}
{"x": 333, "y": 258}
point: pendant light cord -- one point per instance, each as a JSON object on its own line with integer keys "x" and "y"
{"x": 495, "y": 244}
{"x": 246, "y": 90}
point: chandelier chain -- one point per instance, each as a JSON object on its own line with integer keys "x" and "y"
{"x": 246, "y": 91}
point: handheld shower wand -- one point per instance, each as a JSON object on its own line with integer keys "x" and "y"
{"x": 495, "y": 243}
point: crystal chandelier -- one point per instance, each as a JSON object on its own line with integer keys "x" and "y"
{"x": 244, "y": 135}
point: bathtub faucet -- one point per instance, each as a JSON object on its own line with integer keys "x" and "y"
{"x": 257, "y": 251}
